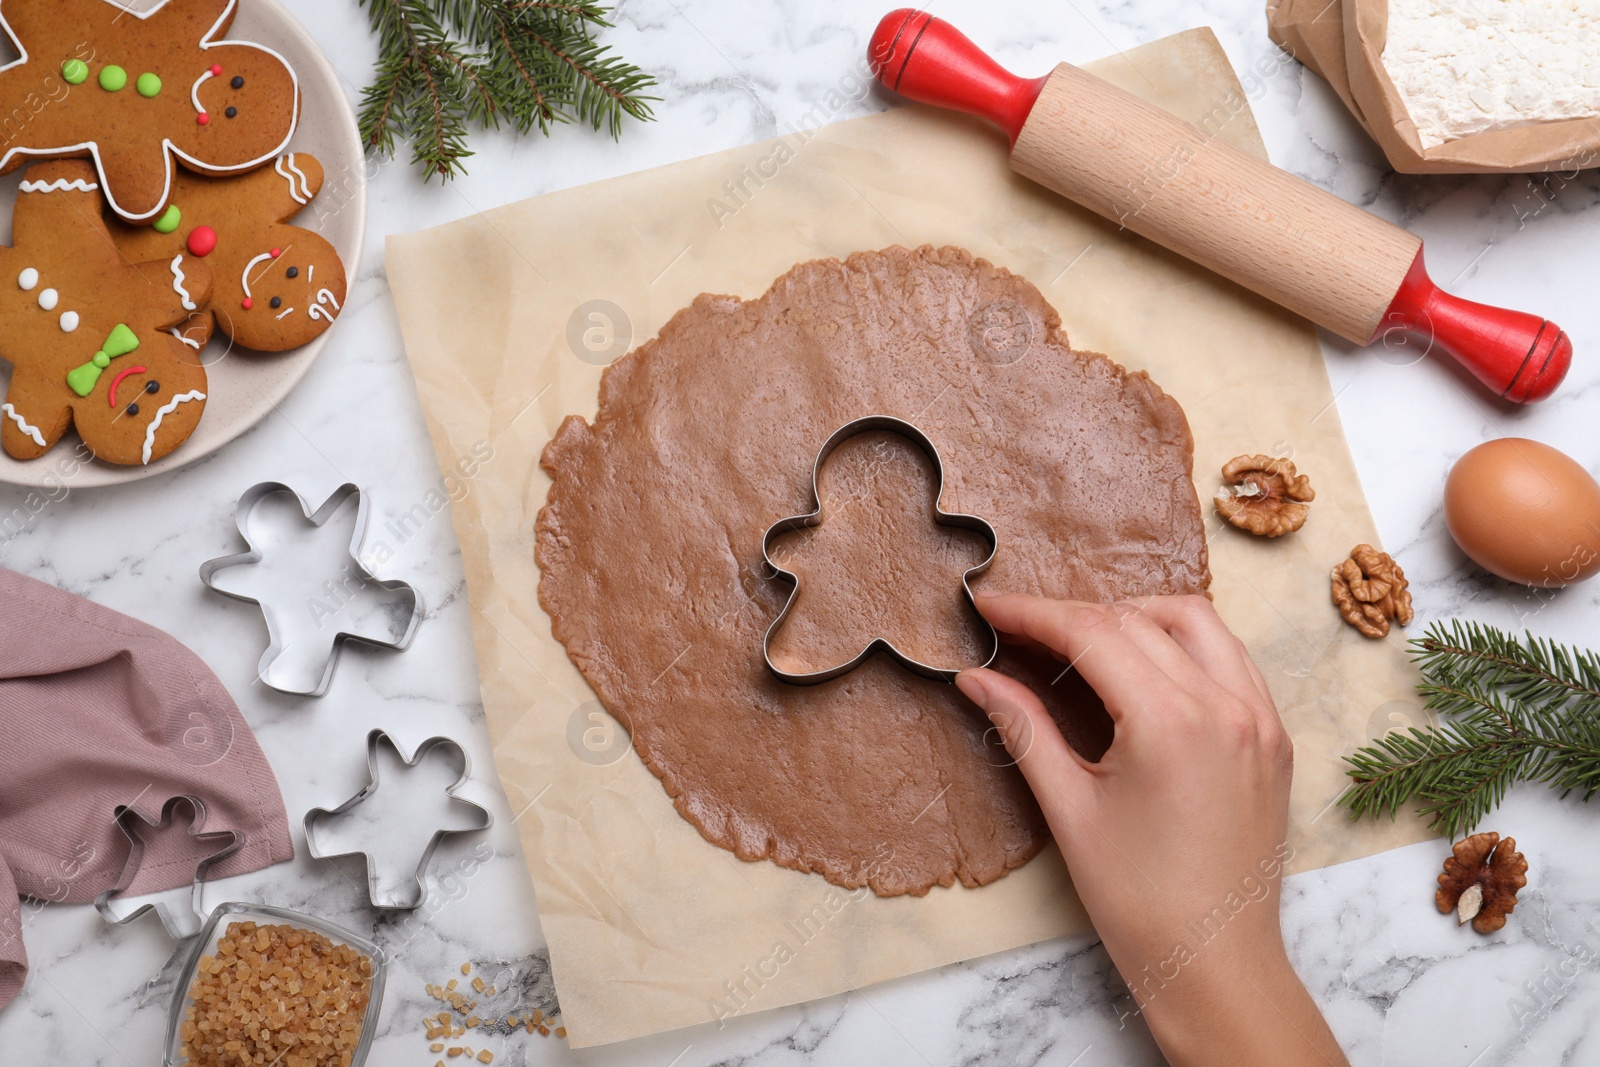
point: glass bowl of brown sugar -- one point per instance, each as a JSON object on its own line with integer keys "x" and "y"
{"x": 269, "y": 985}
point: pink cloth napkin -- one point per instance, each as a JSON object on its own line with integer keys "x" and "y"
{"x": 100, "y": 711}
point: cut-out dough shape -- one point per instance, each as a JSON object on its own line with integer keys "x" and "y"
{"x": 221, "y": 106}
{"x": 481, "y": 818}
{"x": 815, "y": 517}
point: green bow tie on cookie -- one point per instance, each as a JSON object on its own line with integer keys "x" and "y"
{"x": 81, "y": 379}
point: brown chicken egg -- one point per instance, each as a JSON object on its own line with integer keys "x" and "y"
{"x": 1525, "y": 511}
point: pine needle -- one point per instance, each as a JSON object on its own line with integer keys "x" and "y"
{"x": 1512, "y": 710}
{"x": 447, "y": 65}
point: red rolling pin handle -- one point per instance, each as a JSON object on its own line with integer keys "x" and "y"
{"x": 949, "y": 72}
{"x": 1518, "y": 356}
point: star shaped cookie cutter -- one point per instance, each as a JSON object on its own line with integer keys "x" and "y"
{"x": 276, "y": 644}
{"x": 374, "y": 738}
{"x": 814, "y": 518}
{"x": 178, "y": 925}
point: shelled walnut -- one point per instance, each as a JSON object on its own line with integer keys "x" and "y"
{"x": 1369, "y": 589}
{"x": 1481, "y": 879}
{"x": 1264, "y": 496}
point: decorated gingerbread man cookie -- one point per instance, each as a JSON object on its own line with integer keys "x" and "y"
{"x": 276, "y": 286}
{"x": 138, "y": 91}
{"x": 86, "y": 330}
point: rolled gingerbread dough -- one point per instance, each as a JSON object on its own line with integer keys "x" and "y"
{"x": 650, "y": 551}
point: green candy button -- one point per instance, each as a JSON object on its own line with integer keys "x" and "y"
{"x": 169, "y": 220}
{"x": 113, "y": 78}
{"x": 75, "y": 71}
{"x": 148, "y": 85}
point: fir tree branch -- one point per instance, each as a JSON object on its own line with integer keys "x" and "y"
{"x": 542, "y": 111}
{"x": 419, "y": 91}
{"x": 485, "y": 110}
{"x": 1516, "y": 710}
{"x": 379, "y": 101}
{"x": 595, "y": 89}
{"x": 445, "y": 65}
{"x": 1535, "y": 670}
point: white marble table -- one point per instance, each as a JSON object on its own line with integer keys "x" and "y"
{"x": 1400, "y": 984}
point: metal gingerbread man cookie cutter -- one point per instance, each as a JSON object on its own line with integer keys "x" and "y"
{"x": 814, "y": 518}
{"x": 374, "y": 739}
{"x": 276, "y": 644}
{"x": 178, "y": 925}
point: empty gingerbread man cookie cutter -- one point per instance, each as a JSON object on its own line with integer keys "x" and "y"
{"x": 277, "y": 643}
{"x": 814, "y": 518}
{"x": 374, "y": 739}
{"x": 178, "y": 925}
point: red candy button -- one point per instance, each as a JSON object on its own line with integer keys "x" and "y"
{"x": 246, "y": 303}
{"x": 216, "y": 70}
{"x": 202, "y": 118}
{"x": 202, "y": 241}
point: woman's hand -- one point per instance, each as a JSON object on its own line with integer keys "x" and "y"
{"x": 1175, "y": 839}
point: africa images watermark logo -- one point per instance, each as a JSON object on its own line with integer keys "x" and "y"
{"x": 737, "y": 192}
{"x": 740, "y": 992}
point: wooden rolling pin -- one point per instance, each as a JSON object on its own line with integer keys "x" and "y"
{"x": 1149, "y": 171}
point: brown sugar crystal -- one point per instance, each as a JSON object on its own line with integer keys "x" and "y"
{"x": 276, "y": 994}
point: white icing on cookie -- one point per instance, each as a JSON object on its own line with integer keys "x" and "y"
{"x": 244, "y": 279}
{"x": 192, "y": 344}
{"x": 27, "y": 279}
{"x": 320, "y": 313}
{"x": 212, "y": 39}
{"x": 177, "y": 284}
{"x": 22, "y": 424}
{"x": 78, "y": 184}
{"x": 69, "y": 321}
{"x": 285, "y": 311}
{"x": 48, "y": 298}
{"x": 301, "y": 193}
{"x": 194, "y": 96}
{"x": 161, "y": 413}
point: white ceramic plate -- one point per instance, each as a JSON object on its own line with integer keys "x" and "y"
{"x": 243, "y": 386}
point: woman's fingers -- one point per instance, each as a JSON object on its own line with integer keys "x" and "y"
{"x": 1194, "y": 626}
{"x": 1193, "y": 623}
{"x": 1259, "y": 682}
{"x": 1030, "y": 734}
{"x": 1091, "y": 638}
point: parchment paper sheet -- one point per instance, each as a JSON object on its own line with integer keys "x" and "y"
{"x": 649, "y": 926}
{"x": 1342, "y": 40}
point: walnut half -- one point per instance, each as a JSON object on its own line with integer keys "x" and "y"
{"x": 1369, "y": 589}
{"x": 1480, "y": 881}
{"x": 1263, "y": 495}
